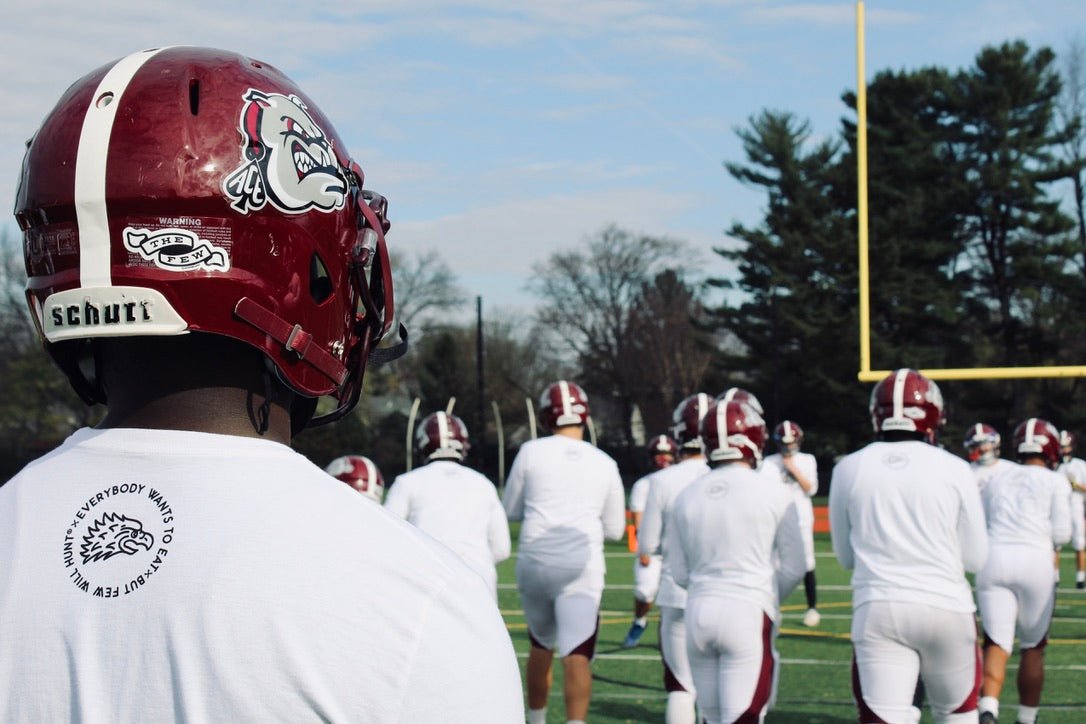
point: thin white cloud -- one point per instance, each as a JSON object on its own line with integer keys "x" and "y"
{"x": 840, "y": 13}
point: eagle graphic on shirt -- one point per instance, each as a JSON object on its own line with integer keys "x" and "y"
{"x": 113, "y": 534}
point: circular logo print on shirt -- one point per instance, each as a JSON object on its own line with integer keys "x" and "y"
{"x": 895, "y": 461}
{"x": 118, "y": 539}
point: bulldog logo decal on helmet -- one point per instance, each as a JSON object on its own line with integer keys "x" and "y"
{"x": 289, "y": 159}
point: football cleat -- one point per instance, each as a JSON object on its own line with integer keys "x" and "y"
{"x": 633, "y": 636}
{"x": 812, "y": 618}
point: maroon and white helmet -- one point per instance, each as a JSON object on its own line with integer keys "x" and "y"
{"x": 360, "y": 473}
{"x": 1038, "y": 437}
{"x": 563, "y": 403}
{"x": 981, "y": 443}
{"x": 788, "y": 435}
{"x": 441, "y": 436}
{"x": 907, "y": 401}
{"x": 738, "y": 394}
{"x": 1067, "y": 445}
{"x": 662, "y": 450}
{"x": 185, "y": 189}
{"x": 733, "y": 431}
{"x": 686, "y": 420}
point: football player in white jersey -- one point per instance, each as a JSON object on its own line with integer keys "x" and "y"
{"x": 1075, "y": 470}
{"x": 1028, "y": 512}
{"x": 906, "y": 518}
{"x": 662, "y": 450}
{"x": 982, "y": 444}
{"x": 798, "y": 473}
{"x": 570, "y": 496}
{"x": 664, "y": 488}
{"x": 455, "y": 504}
{"x": 360, "y": 473}
{"x": 735, "y": 543}
{"x": 203, "y": 259}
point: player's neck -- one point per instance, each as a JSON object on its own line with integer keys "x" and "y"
{"x": 197, "y": 382}
{"x": 575, "y": 432}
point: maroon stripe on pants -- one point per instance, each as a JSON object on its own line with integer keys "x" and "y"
{"x": 587, "y": 648}
{"x": 764, "y": 687}
{"x": 671, "y": 684}
{"x": 970, "y": 703}
{"x": 867, "y": 716}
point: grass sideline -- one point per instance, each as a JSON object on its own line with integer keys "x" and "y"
{"x": 815, "y": 672}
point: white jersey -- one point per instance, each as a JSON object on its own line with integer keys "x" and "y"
{"x": 459, "y": 507}
{"x": 907, "y": 517}
{"x": 725, "y": 531}
{"x": 773, "y": 466}
{"x": 1028, "y": 505}
{"x": 153, "y": 575}
{"x": 984, "y": 473}
{"x": 1075, "y": 471}
{"x": 664, "y": 487}
{"x": 570, "y": 496}
{"x": 639, "y": 494}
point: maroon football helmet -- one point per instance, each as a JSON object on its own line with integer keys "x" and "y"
{"x": 1038, "y": 437}
{"x": 907, "y": 401}
{"x": 360, "y": 473}
{"x": 563, "y": 403}
{"x": 1067, "y": 445}
{"x": 188, "y": 189}
{"x": 686, "y": 419}
{"x": 738, "y": 394}
{"x": 733, "y": 431}
{"x": 788, "y": 436}
{"x": 441, "y": 436}
{"x": 662, "y": 451}
{"x": 981, "y": 443}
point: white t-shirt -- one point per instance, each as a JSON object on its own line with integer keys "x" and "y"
{"x": 984, "y": 473}
{"x": 725, "y": 532}
{"x": 639, "y": 494}
{"x": 459, "y": 507}
{"x": 664, "y": 487}
{"x": 1028, "y": 505}
{"x": 907, "y": 517}
{"x": 1075, "y": 471}
{"x": 773, "y": 466}
{"x": 570, "y": 496}
{"x": 154, "y": 575}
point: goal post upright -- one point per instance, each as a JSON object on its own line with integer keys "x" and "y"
{"x": 866, "y": 374}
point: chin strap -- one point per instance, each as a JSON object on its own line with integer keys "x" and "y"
{"x": 292, "y": 337}
{"x": 382, "y": 355}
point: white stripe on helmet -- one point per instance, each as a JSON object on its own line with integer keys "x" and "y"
{"x": 899, "y": 392}
{"x": 563, "y": 388}
{"x": 442, "y": 431}
{"x": 90, "y": 169}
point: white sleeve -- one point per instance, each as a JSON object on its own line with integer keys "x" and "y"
{"x": 652, "y": 523}
{"x": 614, "y": 509}
{"x": 812, "y": 475}
{"x": 677, "y": 562}
{"x": 972, "y": 527}
{"x": 464, "y": 669}
{"x": 513, "y": 496}
{"x": 792, "y": 560}
{"x": 498, "y": 532}
{"x": 840, "y": 529}
{"x": 1060, "y": 514}
{"x": 398, "y": 499}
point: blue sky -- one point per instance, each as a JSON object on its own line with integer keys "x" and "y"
{"x": 502, "y": 130}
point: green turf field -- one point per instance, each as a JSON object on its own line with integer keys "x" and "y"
{"x": 815, "y": 673}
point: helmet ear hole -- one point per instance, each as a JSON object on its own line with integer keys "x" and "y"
{"x": 320, "y": 283}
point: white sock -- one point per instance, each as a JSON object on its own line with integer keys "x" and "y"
{"x": 680, "y": 708}
{"x": 1027, "y": 714}
{"x": 537, "y": 716}
{"x": 574, "y": 721}
{"x": 1080, "y": 576}
{"x": 989, "y": 703}
{"x": 643, "y": 622}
